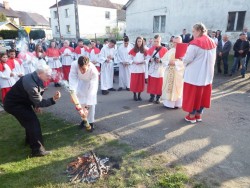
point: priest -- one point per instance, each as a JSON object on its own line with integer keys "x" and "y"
{"x": 173, "y": 77}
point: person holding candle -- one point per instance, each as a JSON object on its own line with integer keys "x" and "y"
{"x": 83, "y": 81}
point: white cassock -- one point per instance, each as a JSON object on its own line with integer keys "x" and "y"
{"x": 18, "y": 70}
{"x": 123, "y": 58}
{"x": 107, "y": 70}
{"x": 173, "y": 81}
{"x": 85, "y": 86}
{"x": 5, "y": 80}
{"x": 94, "y": 57}
{"x": 67, "y": 59}
{"x": 28, "y": 62}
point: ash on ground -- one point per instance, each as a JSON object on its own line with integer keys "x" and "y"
{"x": 87, "y": 168}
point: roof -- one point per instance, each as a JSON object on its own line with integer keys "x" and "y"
{"x": 95, "y": 3}
{"x": 127, "y": 4}
{"x": 7, "y": 22}
{"x": 32, "y": 19}
{"x": 121, "y": 15}
{"x": 8, "y": 12}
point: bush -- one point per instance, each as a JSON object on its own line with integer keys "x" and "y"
{"x": 37, "y": 34}
{"x": 9, "y": 34}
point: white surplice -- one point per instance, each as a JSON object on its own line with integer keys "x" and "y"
{"x": 85, "y": 86}
{"x": 67, "y": 59}
{"x": 107, "y": 70}
{"x": 123, "y": 59}
{"x": 6, "y": 80}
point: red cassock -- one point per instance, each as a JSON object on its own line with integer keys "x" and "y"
{"x": 155, "y": 83}
{"x": 137, "y": 79}
{"x": 66, "y": 68}
{"x": 55, "y": 53}
{"x": 195, "y": 97}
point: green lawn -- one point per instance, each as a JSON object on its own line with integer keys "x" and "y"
{"x": 133, "y": 168}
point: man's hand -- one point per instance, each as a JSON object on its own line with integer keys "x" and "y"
{"x": 38, "y": 110}
{"x": 84, "y": 112}
{"x": 157, "y": 60}
{"x": 241, "y": 51}
{"x": 57, "y": 96}
{"x": 220, "y": 54}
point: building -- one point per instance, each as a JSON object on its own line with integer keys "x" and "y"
{"x": 170, "y": 17}
{"x": 35, "y": 21}
{"x": 23, "y": 19}
{"x": 95, "y": 18}
{"x": 7, "y": 26}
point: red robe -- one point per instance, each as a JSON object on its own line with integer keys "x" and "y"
{"x": 195, "y": 97}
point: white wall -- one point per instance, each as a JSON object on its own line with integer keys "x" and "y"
{"x": 182, "y": 14}
{"x": 64, "y": 21}
{"x": 92, "y": 20}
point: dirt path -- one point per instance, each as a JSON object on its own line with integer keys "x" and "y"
{"x": 216, "y": 150}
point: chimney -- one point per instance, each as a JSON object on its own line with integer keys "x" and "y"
{"x": 6, "y": 5}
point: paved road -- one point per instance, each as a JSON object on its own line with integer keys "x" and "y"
{"x": 216, "y": 150}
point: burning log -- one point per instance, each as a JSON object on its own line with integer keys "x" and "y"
{"x": 87, "y": 168}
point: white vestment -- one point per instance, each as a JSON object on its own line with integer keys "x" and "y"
{"x": 18, "y": 70}
{"x": 29, "y": 63}
{"x": 107, "y": 70}
{"x": 146, "y": 64}
{"x": 173, "y": 81}
{"x": 5, "y": 80}
{"x": 67, "y": 57}
{"x": 123, "y": 59}
{"x": 85, "y": 86}
{"x": 93, "y": 57}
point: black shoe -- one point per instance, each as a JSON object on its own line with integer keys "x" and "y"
{"x": 40, "y": 153}
{"x": 83, "y": 124}
{"x": 58, "y": 85}
{"x": 139, "y": 99}
{"x": 105, "y": 92}
{"x": 135, "y": 98}
{"x": 243, "y": 75}
{"x": 55, "y": 84}
{"x": 151, "y": 99}
{"x": 92, "y": 127}
{"x": 120, "y": 89}
{"x": 127, "y": 89}
{"x": 157, "y": 101}
{"x": 112, "y": 89}
{"x": 230, "y": 74}
{"x": 146, "y": 81}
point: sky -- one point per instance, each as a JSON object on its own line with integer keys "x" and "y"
{"x": 40, "y": 6}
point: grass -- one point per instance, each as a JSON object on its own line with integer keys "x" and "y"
{"x": 131, "y": 168}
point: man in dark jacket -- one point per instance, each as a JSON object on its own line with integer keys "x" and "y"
{"x": 223, "y": 49}
{"x": 24, "y": 99}
{"x": 241, "y": 48}
{"x": 32, "y": 46}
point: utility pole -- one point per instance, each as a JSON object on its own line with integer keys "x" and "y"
{"x": 77, "y": 19}
{"x": 58, "y": 19}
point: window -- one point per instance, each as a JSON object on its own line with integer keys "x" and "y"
{"x": 68, "y": 28}
{"x": 67, "y": 13}
{"x": 55, "y": 14}
{"x": 57, "y": 29}
{"x": 108, "y": 30}
{"x": 236, "y": 21}
{"x": 107, "y": 15}
{"x": 159, "y": 24}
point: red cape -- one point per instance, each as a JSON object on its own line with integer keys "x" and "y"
{"x": 133, "y": 53}
{"x": 64, "y": 48}
{"x": 11, "y": 63}
{"x": 204, "y": 42}
{"x": 78, "y": 49}
{"x": 96, "y": 50}
{"x": 162, "y": 51}
{"x": 22, "y": 55}
{"x": 53, "y": 52}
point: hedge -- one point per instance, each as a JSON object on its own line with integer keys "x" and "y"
{"x": 8, "y": 34}
{"x": 12, "y": 34}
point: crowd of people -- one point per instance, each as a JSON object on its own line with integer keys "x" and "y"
{"x": 181, "y": 82}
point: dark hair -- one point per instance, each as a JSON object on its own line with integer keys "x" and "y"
{"x": 80, "y": 40}
{"x": 126, "y": 39}
{"x": 137, "y": 48}
{"x": 105, "y": 40}
{"x": 2, "y": 54}
{"x": 145, "y": 39}
{"x": 83, "y": 60}
{"x": 36, "y": 49}
{"x": 113, "y": 41}
{"x": 157, "y": 36}
{"x": 214, "y": 32}
{"x": 12, "y": 50}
